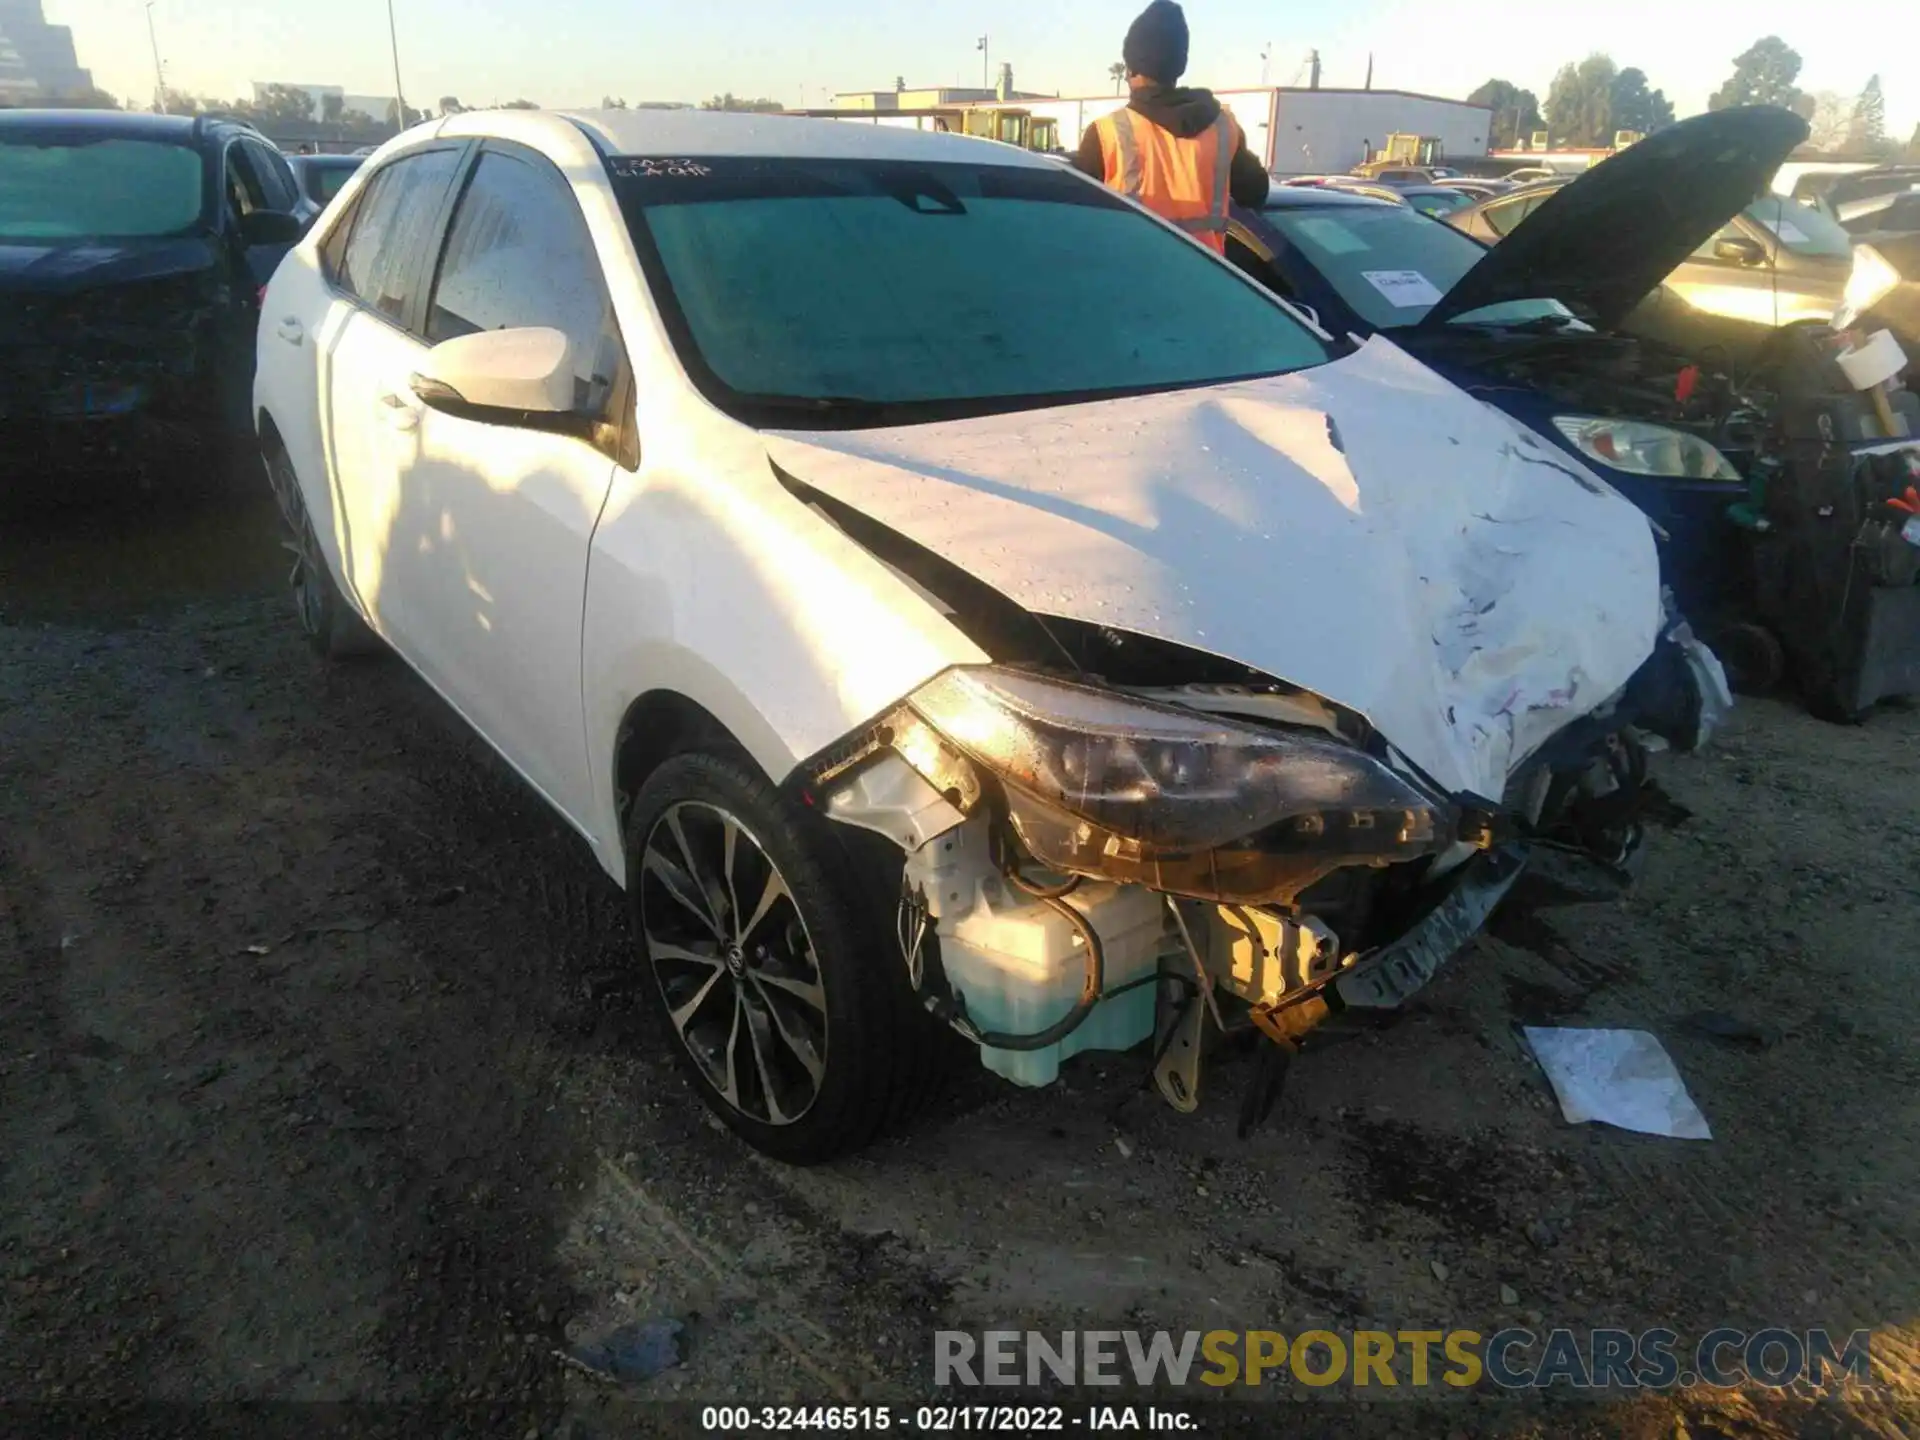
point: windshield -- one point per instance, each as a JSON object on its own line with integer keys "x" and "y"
{"x": 1800, "y": 228}
{"x": 63, "y": 187}
{"x": 1393, "y": 265}
{"x": 872, "y": 292}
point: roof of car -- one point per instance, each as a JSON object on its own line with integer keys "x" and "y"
{"x": 1303, "y": 197}
{"x": 137, "y": 124}
{"x": 707, "y": 133}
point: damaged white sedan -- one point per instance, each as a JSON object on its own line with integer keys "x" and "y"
{"x": 946, "y": 597}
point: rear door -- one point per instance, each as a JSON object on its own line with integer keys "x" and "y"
{"x": 501, "y": 517}
{"x": 372, "y": 415}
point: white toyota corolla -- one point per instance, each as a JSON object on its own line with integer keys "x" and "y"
{"x": 946, "y": 597}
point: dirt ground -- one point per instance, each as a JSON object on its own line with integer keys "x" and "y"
{"x": 298, "y": 1101}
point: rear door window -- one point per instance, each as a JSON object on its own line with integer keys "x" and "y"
{"x": 518, "y": 253}
{"x": 380, "y": 263}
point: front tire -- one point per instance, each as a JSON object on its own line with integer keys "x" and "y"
{"x": 787, "y": 1004}
{"x": 332, "y": 626}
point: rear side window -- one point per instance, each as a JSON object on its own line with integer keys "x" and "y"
{"x": 518, "y": 253}
{"x": 1505, "y": 219}
{"x": 379, "y": 264}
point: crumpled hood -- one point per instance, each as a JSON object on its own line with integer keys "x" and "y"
{"x": 1183, "y": 111}
{"x": 1362, "y": 530}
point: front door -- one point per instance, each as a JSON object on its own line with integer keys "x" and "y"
{"x": 373, "y": 417}
{"x": 495, "y": 575}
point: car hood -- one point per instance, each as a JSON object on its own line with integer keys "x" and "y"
{"x": 1602, "y": 243}
{"x": 1363, "y": 530}
{"x": 32, "y": 268}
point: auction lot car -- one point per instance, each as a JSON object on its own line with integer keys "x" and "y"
{"x": 1775, "y": 262}
{"x": 321, "y": 176}
{"x": 132, "y": 252}
{"x": 1711, "y": 425}
{"x": 920, "y": 637}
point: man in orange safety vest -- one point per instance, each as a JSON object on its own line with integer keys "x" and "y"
{"x": 1172, "y": 149}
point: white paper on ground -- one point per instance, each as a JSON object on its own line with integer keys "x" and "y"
{"x": 1618, "y": 1077}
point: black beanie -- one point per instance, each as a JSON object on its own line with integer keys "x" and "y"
{"x": 1156, "y": 43}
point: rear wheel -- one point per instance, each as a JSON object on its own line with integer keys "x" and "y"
{"x": 332, "y": 626}
{"x": 787, "y": 1007}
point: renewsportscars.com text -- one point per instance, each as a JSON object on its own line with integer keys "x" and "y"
{"x": 1512, "y": 1359}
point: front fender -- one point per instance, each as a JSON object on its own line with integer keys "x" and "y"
{"x": 712, "y": 582}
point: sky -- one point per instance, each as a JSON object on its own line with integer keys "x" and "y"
{"x": 572, "y": 52}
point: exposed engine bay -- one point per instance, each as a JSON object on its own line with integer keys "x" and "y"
{"x": 1110, "y": 839}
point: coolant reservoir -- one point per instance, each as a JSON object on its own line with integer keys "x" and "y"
{"x": 1020, "y": 965}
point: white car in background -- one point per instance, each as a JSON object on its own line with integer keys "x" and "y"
{"x": 943, "y": 595}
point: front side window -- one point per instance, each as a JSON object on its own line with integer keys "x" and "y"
{"x": 1392, "y": 265}
{"x": 276, "y": 180}
{"x": 74, "y": 184}
{"x": 845, "y": 292}
{"x": 380, "y": 261}
{"x": 1801, "y": 229}
{"x": 518, "y": 254}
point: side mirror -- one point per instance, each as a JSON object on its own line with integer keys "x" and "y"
{"x": 271, "y": 227}
{"x": 1740, "y": 252}
{"x": 505, "y": 376}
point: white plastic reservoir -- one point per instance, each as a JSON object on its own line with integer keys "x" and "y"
{"x": 1020, "y": 966}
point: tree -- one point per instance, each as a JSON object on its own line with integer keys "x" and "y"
{"x": 179, "y": 102}
{"x": 333, "y": 107}
{"x": 1867, "y": 129}
{"x": 1117, "y": 72}
{"x": 730, "y": 101}
{"x": 519, "y": 105}
{"x": 899, "y": 84}
{"x": 1635, "y": 107}
{"x": 607, "y": 102}
{"x": 1828, "y": 124}
{"x": 450, "y": 105}
{"x": 278, "y": 103}
{"x": 89, "y": 99}
{"x": 400, "y": 119}
{"x": 1580, "y": 102}
{"x": 1763, "y": 75}
{"x": 1516, "y": 113}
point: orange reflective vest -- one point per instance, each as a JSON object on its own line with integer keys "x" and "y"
{"x": 1181, "y": 180}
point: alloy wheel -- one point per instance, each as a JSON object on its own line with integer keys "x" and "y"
{"x": 735, "y": 965}
{"x": 307, "y": 578}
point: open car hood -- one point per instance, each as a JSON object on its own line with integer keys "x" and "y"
{"x": 1362, "y": 530}
{"x": 1602, "y": 243}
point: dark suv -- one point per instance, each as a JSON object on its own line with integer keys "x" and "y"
{"x": 133, "y": 249}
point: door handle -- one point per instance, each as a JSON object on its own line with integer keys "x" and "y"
{"x": 291, "y": 331}
{"x": 402, "y": 412}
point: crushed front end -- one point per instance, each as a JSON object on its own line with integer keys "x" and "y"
{"x": 1091, "y": 866}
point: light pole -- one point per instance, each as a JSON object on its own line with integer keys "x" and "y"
{"x": 159, "y": 80}
{"x": 399, "y": 95}
{"x": 986, "y": 60}
{"x": 1266, "y": 54}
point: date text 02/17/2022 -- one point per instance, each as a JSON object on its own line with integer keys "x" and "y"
{"x": 944, "y": 1419}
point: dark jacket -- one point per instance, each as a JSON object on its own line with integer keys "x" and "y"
{"x": 1186, "y": 113}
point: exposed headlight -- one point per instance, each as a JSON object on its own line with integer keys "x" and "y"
{"x": 1643, "y": 449}
{"x": 1104, "y": 783}
{"x": 1870, "y": 281}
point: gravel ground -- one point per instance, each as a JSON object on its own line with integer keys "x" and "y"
{"x": 297, "y": 1099}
